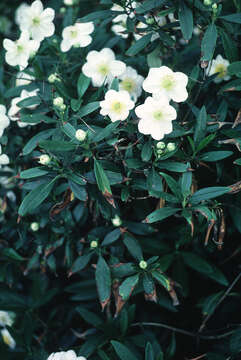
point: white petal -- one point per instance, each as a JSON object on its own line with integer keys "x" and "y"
{"x": 117, "y": 67}
{"x": 65, "y": 46}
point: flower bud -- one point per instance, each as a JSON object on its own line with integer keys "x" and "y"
{"x": 160, "y": 145}
{"x": 34, "y": 226}
{"x": 93, "y": 244}
{"x": 68, "y": 2}
{"x": 207, "y": 2}
{"x": 62, "y": 107}
{"x": 214, "y": 7}
{"x": 80, "y": 135}
{"x": 116, "y": 221}
{"x": 58, "y": 101}
{"x": 62, "y": 10}
{"x": 150, "y": 21}
{"x": 143, "y": 264}
{"x": 159, "y": 151}
{"x": 171, "y": 146}
{"x": 44, "y": 159}
{"x": 52, "y": 78}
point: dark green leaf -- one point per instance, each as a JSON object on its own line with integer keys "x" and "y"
{"x": 32, "y": 173}
{"x": 160, "y": 214}
{"x": 122, "y": 351}
{"x": 208, "y": 193}
{"x": 186, "y": 20}
{"x": 103, "y": 281}
{"x": 82, "y": 84}
{"x": 200, "y": 127}
{"x": 128, "y": 286}
{"x": 139, "y": 45}
{"x": 133, "y": 247}
{"x": 209, "y": 42}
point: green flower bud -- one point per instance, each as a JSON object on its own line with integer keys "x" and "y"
{"x": 116, "y": 221}
{"x": 160, "y": 145}
{"x": 207, "y": 2}
{"x": 150, "y": 21}
{"x": 93, "y": 244}
{"x": 58, "y": 102}
{"x": 80, "y": 135}
{"x": 143, "y": 264}
{"x": 44, "y": 159}
{"x": 171, "y": 146}
{"x": 34, "y": 226}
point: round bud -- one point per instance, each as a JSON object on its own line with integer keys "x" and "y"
{"x": 80, "y": 135}
{"x": 171, "y": 146}
{"x": 214, "y": 7}
{"x": 143, "y": 264}
{"x": 159, "y": 151}
{"x": 207, "y": 2}
{"x": 58, "y": 101}
{"x": 62, "y": 10}
{"x": 160, "y": 145}
{"x": 44, "y": 159}
{"x": 68, "y": 2}
{"x": 34, "y": 226}
{"x": 52, "y": 78}
{"x": 93, "y": 244}
{"x": 150, "y": 21}
{"x": 116, "y": 221}
{"x": 62, "y": 107}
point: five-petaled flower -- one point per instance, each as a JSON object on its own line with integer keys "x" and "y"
{"x": 218, "y": 66}
{"x": 65, "y": 355}
{"x": 164, "y": 82}
{"x": 156, "y": 117}
{"x": 102, "y": 67}
{"x": 131, "y": 81}
{"x": 76, "y": 35}
{"x": 116, "y": 105}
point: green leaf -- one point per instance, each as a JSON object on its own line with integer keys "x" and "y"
{"x": 103, "y": 281}
{"x": 215, "y": 155}
{"x": 101, "y": 178}
{"x": 30, "y": 101}
{"x": 149, "y": 353}
{"x": 196, "y": 262}
{"x": 133, "y": 247}
{"x": 102, "y": 14}
{"x": 12, "y": 254}
{"x": 111, "y": 237}
{"x": 208, "y": 193}
{"x": 186, "y": 20}
{"x": 88, "y": 109}
{"x": 235, "y": 341}
{"x": 172, "y": 184}
{"x": 80, "y": 263}
{"x": 57, "y": 146}
{"x": 139, "y": 45}
{"x": 229, "y": 46}
{"x": 209, "y": 42}
{"x": 35, "y": 197}
{"x": 162, "y": 279}
{"x": 69, "y": 130}
{"x": 235, "y": 69}
{"x": 122, "y": 351}
{"x": 200, "y": 127}
{"x": 78, "y": 190}
{"x": 32, "y": 173}
{"x": 186, "y": 181}
{"x": 146, "y": 151}
{"x": 237, "y": 161}
{"x": 107, "y": 131}
{"x": 154, "y": 58}
{"x": 32, "y": 143}
{"x": 82, "y": 84}
{"x": 148, "y": 5}
{"x": 89, "y": 317}
{"x": 160, "y": 214}
{"x": 78, "y": 179}
{"x": 154, "y": 183}
{"x": 173, "y": 166}
{"x": 128, "y": 286}
{"x": 235, "y": 18}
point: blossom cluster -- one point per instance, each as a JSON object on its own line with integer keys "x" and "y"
{"x": 7, "y": 319}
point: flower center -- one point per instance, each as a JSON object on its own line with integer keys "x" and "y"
{"x": 36, "y": 21}
{"x": 6, "y": 339}
{"x": 158, "y": 115}
{"x": 127, "y": 84}
{"x": 221, "y": 69}
{"x": 117, "y": 107}
{"x": 73, "y": 34}
{"x": 103, "y": 69}
{"x": 167, "y": 82}
{"x": 20, "y": 48}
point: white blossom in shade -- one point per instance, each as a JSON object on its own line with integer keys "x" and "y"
{"x": 8, "y": 339}
{"x": 102, "y": 67}
{"x": 131, "y": 81}
{"x": 68, "y": 2}
{"x": 4, "y": 120}
{"x": 164, "y": 82}
{"x": 65, "y": 355}
{"x": 76, "y": 35}
{"x": 116, "y": 105}
{"x": 13, "y": 112}
{"x": 38, "y": 21}
{"x": 24, "y": 78}
{"x": 123, "y": 17}
{"x": 156, "y": 117}
{"x": 6, "y": 317}
{"x": 20, "y": 12}
{"x": 119, "y": 29}
{"x": 19, "y": 51}
{"x": 218, "y": 66}
{"x": 140, "y": 27}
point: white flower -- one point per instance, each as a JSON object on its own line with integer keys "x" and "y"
{"x": 8, "y": 339}
{"x": 68, "y": 2}
{"x": 123, "y": 17}
{"x": 101, "y": 66}
{"x": 13, "y": 112}
{"x": 53, "y": 77}
{"x": 131, "y": 82}
{"x": 6, "y": 318}
{"x": 23, "y": 78}
{"x": 119, "y": 29}
{"x": 76, "y": 35}
{"x": 19, "y": 51}
{"x": 80, "y": 135}
{"x": 34, "y": 226}
{"x": 4, "y": 120}
{"x": 116, "y": 105}
{"x": 164, "y": 82}
{"x": 141, "y": 25}
{"x": 20, "y": 12}
{"x": 218, "y": 65}
{"x": 116, "y": 221}
{"x": 37, "y": 21}
{"x": 65, "y": 355}
{"x": 156, "y": 117}
{"x": 58, "y": 101}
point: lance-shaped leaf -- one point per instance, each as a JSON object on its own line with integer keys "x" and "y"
{"x": 103, "y": 281}
{"x": 186, "y": 20}
{"x": 124, "y": 292}
{"x": 209, "y": 42}
{"x": 133, "y": 246}
{"x": 149, "y": 288}
{"x": 122, "y": 351}
{"x": 103, "y": 182}
{"x": 149, "y": 353}
{"x": 167, "y": 283}
{"x": 161, "y": 214}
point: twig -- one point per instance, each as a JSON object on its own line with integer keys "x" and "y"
{"x": 219, "y": 302}
{"x": 184, "y": 332}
